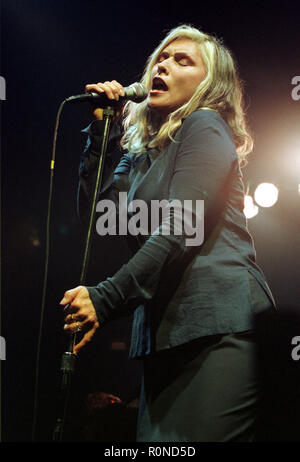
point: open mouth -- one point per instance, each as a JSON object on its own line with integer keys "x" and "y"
{"x": 158, "y": 85}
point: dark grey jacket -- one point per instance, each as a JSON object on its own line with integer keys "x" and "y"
{"x": 179, "y": 292}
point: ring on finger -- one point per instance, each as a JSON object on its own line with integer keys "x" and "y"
{"x": 71, "y": 319}
{"x": 78, "y": 327}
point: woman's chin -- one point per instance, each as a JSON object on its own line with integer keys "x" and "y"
{"x": 157, "y": 109}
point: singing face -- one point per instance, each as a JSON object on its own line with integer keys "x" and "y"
{"x": 178, "y": 71}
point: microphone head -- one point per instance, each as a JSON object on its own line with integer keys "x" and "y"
{"x": 136, "y": 92}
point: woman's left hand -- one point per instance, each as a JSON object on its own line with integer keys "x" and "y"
{"x": 80, "y": 315}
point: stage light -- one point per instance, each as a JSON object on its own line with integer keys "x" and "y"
{"x": 266, "y": 194}
{"x": 250, "y": 210}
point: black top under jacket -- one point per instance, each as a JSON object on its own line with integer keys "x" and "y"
{"x": 178, "y": 292}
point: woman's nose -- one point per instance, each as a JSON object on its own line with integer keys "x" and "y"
{"x": 162, "y": 68}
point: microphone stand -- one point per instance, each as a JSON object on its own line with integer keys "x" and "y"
{"x": 68, "y": 357}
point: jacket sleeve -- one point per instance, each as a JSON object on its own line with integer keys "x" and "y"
{"x": 89, "y": 165}
{"x": 204, "y": 159}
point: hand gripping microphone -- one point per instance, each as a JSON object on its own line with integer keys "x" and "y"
{"x": 135, "y": 92}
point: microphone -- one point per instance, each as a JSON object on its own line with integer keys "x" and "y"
{"x": 135, "y": 92}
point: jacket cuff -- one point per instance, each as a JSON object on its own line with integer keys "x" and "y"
{"x": 106, "y": 301}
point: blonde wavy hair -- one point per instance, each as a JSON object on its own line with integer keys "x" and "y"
{"x": 221, "y": 91}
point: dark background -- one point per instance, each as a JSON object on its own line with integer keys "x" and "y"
{"x": 49, "y": 51}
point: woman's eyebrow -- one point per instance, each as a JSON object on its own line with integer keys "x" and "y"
{"x": 177, "y": 52}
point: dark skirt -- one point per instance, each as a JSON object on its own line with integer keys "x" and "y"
{"x": 203, "y": 391}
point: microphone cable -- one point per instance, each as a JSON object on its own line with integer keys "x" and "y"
{"x": 46, "y": 267}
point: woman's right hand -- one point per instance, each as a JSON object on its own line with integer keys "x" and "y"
{"x": 113, "y": 91}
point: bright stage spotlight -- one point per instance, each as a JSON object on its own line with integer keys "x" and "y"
{"x": 266, "y": 194}
{"x": 250, "y": 210}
